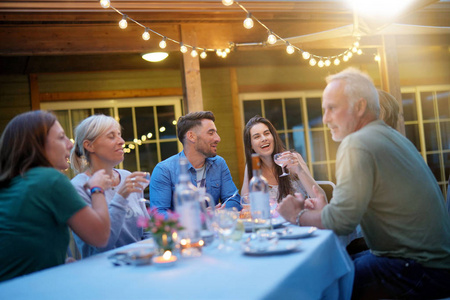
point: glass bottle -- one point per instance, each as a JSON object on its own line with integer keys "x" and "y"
{"x": 188, "y": 207}
{"x": 259, "y": 197}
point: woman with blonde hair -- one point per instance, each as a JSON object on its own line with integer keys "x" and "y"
{"x": 37, "y": 201}
{"x": 99, "y": 145}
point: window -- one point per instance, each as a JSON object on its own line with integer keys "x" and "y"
{"x": 297, "y": 116}
{"x": 148, "y": 126}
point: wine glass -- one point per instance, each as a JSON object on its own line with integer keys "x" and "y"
{"x": 144, "y": 185}
{"x": 280, "y": 159}
{"x": 225, "y": 222}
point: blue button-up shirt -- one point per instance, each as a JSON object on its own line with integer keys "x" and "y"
{"x": 219, "y": 183}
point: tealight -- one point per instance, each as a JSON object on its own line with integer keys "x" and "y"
{"x": 166, "y": 260}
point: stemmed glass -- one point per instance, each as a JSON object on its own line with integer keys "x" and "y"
{"x": 280, "y": 159}
{"x": 225, "y": 222}
{"x": 144, "y": 185}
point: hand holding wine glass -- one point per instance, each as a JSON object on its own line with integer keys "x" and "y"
{"x": 282, "y": 159}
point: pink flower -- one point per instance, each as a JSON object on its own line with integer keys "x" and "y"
{"x": 154, "y": 230}
{"x": 142, "y": 222}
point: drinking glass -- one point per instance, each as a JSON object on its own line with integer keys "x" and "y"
{"x": 280, "y": 159}
{"x": 144, "y": 185}
{"x": 225, "y": 222}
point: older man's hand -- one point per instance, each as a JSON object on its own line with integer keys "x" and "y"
{"x": 290, "y": 206}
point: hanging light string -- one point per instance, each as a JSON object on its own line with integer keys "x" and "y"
{"x": 272, "y": 39}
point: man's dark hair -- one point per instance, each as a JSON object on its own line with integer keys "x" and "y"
{"x": 191, "y": 120}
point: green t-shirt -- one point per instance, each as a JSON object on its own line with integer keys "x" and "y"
{"x": 34, "y": 210}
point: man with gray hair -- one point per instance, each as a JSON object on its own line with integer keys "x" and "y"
{"x": 383, "y": 184}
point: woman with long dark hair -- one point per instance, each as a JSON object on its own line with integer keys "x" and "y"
{"x": 38, "y": 203}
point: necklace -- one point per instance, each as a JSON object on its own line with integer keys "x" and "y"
{"x": 116, "y": 179}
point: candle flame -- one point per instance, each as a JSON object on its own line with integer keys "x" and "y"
{"x": 167, "y": 255}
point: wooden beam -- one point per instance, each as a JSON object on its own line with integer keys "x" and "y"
{"x": 113, "y": 94}
{"x": 34, "y": 92}
{"x": 192, "y": 85}
{"x": 237, "y": 121}
{"x": 390, "y": 75}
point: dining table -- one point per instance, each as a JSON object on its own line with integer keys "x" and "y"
{"x": 318, "y": 268}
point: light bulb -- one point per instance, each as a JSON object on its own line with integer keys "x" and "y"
{"x": 227, "y": 2}
{"x": 219, "y": 52}
{"x": 356, "y": 44}
{"x": 183, "y": 48}
{"x": 359, "y": 52}
{"x": 271, "y": 39}
{"x": 203, "y": 54}
{"x": 248, "y": 22}
{"x": 320, "y": 64}
{"x": 194, "y": 53}
{"x": 123, "y": 23}
{"x": 105, "y": 3}
{"x": 354, "y": 49}
{"x": 337, "y": 62}
{"x": 312, "y": 62}
{"x": 227, "y": 50}
{"x": 327, "y": 63}
{"x": 345, "y": 58}
{"x": 163, "y": 43}
{"x": 224, "y": 54}
{"x": 377, "y": 58}
{"x": 290, "y": 49}
{"x": 349, "y": 54}
{"x": 306, "y": 55}
{"x": 146, "y": 35}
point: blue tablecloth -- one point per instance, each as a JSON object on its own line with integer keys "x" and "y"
{"x": 320, "y": 269}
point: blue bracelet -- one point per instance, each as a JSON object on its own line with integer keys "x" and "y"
{"x": 97, "y": 189}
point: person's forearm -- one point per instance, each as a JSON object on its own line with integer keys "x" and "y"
{"x": 311, "y": 218}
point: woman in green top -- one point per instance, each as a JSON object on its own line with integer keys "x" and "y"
{"x": 37, "y": 202}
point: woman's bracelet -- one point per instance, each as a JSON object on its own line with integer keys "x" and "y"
{"x": 97, "y": 189}
{"x": 297, "y": 220}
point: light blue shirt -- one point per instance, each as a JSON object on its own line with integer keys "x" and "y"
{"x": 219, "y": 183}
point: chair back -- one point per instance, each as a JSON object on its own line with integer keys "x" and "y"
{"x": 328, "y": 187}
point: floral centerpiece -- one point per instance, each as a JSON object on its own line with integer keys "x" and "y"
{"x": 164, "y": 228}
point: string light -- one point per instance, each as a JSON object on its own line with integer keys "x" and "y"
{"x": 123, "y": 23}
{"x": 248, "y": 22}
{"x": 163, "y": 43}
{"x": 377, "y": 58}
{"x": 227, "y": 2}
{"x": 146, "y": 35}
{"x": 105, "y": 3}
{"x": 272, "y": 38}
{"x": 183, "y": 48}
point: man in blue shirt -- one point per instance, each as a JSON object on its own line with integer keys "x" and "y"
{"x": 198, "y": 134}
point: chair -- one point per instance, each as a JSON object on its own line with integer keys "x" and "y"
{"x": 328, "y": 187}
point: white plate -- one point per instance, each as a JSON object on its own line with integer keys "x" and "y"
{"x": 296, "y": 232}
{"x": 280, "y": 247}
{"x": 276, "y": 223}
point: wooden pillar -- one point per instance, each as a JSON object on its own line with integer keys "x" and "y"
{"x": 390, "y": 75}
{"x": 237, "y": 117}
{"x": 34, "y": 92}
{"x": 192, "y": 85}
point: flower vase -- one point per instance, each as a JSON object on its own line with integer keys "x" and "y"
{"x": 164, "y": 242}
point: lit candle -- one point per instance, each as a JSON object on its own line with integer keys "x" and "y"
{"x": 166, "y": 260}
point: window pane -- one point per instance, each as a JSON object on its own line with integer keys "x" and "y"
{"x": 320, "y": 172}
{"x": 166, "y": 118}
{"x": 283, "y": 138}
{"x": 129, "y": 161}
{"x": 79, "y": 115}
{"x": 145, "y": 123}
{"x": 293, "y": 113}
{"x": 427, "y": 105}
{"x": 332, "y": 146}
{"x": 126, "y": 121}
{"x": 409, "y": 107}
{"x": 103, "y": 111}
{"x": 412, "y": 133}
{"x": 63, "y": 118}
{"x": 443, "y": 99}
{"x": 148, "y": 157}
{"x": 251, "y": 108}
{"x": 297, "y": 142}
{"x": 168, "y": 149}
{"x": 430, "y": 136}
{"x": 447, "y": 166}
{"x": 314, "y": 106}
{"x": 273, "y": 111}
{"x": 433, "y": 163}
{"x": 317, "y": 146}
{"x": 445, "y": 135}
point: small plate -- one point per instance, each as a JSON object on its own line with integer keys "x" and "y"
{"x": 276, "y": 223}
{"x": 297, "y": 232}
{"x": 281, "y": 247}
